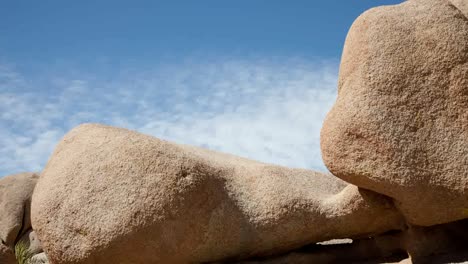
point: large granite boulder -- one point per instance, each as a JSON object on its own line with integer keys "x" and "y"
{"x": 110, "y": 195}
{"x": 15, "y": 203}
{"x": 400, "y": 123}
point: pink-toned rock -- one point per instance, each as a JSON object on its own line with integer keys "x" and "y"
{"x": 110, "y": 195}
{"x": 400, "y": 123}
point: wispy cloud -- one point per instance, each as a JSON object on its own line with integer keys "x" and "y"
{"x": 268, "y": 110}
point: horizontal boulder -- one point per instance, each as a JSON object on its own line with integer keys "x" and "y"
{"x": 110, "y": 195}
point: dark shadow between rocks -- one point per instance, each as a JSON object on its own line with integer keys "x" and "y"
{"x": 384, "y": 248}
{"x": 440, "y": 244}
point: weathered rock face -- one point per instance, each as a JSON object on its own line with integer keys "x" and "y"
{"x": 400, "y": 123}
{"x": 110, "y": 195}
{"x": 15, "y": 202}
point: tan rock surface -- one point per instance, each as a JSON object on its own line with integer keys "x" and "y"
{"x": 110, "y": 195}
{"x": 400, "y": 122}
{"x": 40, "y": 258}
{"x": 462, "y": 5}
{"x": 15, "y": 202}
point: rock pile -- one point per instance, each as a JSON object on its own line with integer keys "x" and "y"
{"x": 15, "y": 220}
{"x": 110, "y": 194}
{"x": 396, "y": 138}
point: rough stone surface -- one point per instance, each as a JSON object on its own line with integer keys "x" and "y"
{"x": 15, "y": 202}
{"x": 40, "y": 258}
{"x": 110, "y": 195}
{"x": 400, "y": 123}
{"x": 462, "y": 5}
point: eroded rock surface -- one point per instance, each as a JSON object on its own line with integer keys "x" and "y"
{"x": 400, "y": 123}
{"x": 110, "y": 195}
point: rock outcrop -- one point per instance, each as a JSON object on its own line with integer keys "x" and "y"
{"x": 110, "y": 195}
{"x": 399, "y": 126}
{"x": 18, "y": 240}
{"x": 15, "y": 203}
{"x": 397, "y": 137}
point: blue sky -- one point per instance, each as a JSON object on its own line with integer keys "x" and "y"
{"x": 253, "y": 78}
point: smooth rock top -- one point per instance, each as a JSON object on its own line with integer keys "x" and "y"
{"x": 400, "y": 122}
{"x": 110, "y": 195}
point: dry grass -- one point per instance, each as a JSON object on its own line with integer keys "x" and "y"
{"x": 22, "y": 253}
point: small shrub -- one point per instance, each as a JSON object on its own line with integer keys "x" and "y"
{"x": 22, "y": 253}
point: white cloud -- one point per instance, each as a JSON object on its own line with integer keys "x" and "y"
{"x": 268, "y": 110}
